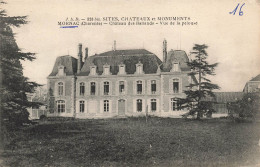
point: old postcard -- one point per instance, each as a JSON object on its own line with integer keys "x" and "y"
{"x": 130, "y": 83}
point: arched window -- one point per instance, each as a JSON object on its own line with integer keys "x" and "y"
{"x": 61, "y": 106}
{"x": 153, "y": 105}
{"x": 175, "y": 104}
{"x": 60, "y": 88}
{"x": 139, "y": 105}
{"x": 82, "y": 88}
{"x": 121, "y": 87}
{"x": 81, "y": 106}
{"x": 139, "y": 86}
{"x": 106, "y": 88}
{"x": 106, "y": 106}
{"x": 175, "y": 85}
{"x": 92, "y": 88}
{"x": 153, "y": 86}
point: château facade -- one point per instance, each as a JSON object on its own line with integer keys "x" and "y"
{"x": 118, "y": 83}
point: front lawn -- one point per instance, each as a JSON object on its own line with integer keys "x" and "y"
{"x": 133, "y": 142}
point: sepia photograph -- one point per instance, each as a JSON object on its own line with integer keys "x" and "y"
{"x": 130, "y": 83}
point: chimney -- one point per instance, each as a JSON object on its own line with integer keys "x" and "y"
{"x": 86, "y": 54}
{"x": 79, "y": 57}
{"x": 164, "y": 51}
{"x": 114, "y": 46}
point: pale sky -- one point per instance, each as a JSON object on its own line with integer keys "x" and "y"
{"x": 233, "y": 40}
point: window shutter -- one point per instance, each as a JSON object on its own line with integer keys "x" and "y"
{"x": 87, "y": 88}
{"x": 170, "y": 86}
{"x": 101, "y": 88}
{"x": 134, "y": 105}
{"x": 157, "y": 105}
{"x": 143, "y": 105}
{"x": 97, "y": 87}
{"x": 144, "y": 86}
{"x": 56, "y": 89}
{"x": 86, "y": 107}
{"x": 125, "y": 87}
{"x": 149, "y": 87}
{"x": 101, "y": 109}
{"x": 77, "y": 106}
{"x": 117, "y": 88}
{"x": 149, "y": 105}
{"x": 110, "y": 106}
{"x": 77, "y": 89}
{"x": 64, "y": 89}
{"x": 134, "y": 87}
{"x": 180, "y": 85}
{"x": 110, "y": 88}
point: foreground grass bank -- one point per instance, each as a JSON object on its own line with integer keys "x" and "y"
{"x": 133, "y": 142}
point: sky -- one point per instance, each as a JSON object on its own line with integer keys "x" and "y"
{"x": 233, "y": 40}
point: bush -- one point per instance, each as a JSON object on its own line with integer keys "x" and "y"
{"x": 43, "y": 117}
{"x": 247, "y": 107}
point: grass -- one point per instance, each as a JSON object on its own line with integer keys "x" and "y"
{"x": 133, "y": 142}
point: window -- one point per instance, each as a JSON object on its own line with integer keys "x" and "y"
{"x": 92, "y": 88}
{"x": 176, "y": 67}
{"x": 153, "y": 105}
{"x": 93, "y": 71}
{"x": 61, "y": 106}
{"x": 82, "y": 88}
{"x": 122, "y": 69}
{"x": 106, "y": 106}
{"x": 60, "y": 88}
{"x": 175, "y": 85}
{"x": 175, "y": 104}
{"x": 153, "y": 86}
{"x": 106, "y": 88}
{"x": 139, "y": 105}
{"x": 81, "y": 106}
{"x": 139, "y": 87}
{"x": 61, "y": 71}
{"x": 139, "y": 69}
{"x": 106, "y": 70}
{"x": 121, "y": 87}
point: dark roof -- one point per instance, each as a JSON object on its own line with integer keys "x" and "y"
{"x": 176, "y": 56}
{"x": 257, "y": 78}
{"x": 224, "y": 97}
{"x": 69, "y": 62}
{"x": 125, "y": 52}
{"x": 128, "y": 57}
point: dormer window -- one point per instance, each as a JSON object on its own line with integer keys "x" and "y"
{"x": 93, "y": 70}
{"x": 139, "y": 68}
{"x": 61, "y": 71}
{"x": 121, "y": 69}
{"x": 175, "y": 66}
{"x": 106, "y": 69}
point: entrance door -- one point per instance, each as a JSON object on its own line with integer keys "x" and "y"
{"x": 121, "y": 107}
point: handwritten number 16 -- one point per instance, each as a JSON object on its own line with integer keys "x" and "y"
{"x": 240, "y": 11}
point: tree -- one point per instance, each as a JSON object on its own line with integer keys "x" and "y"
{"x": 14, "y": 86}
{"x": 197, "y": 92}
{"x": 247, "y": 107}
